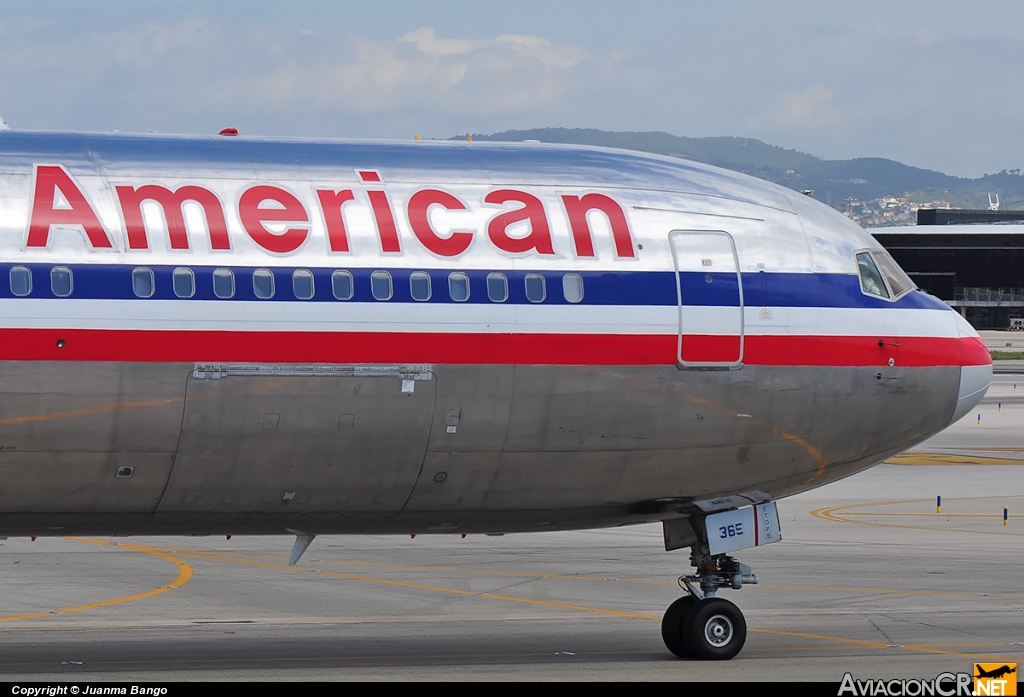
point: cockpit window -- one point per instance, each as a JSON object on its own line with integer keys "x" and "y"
{"x": 870, "y": 279}
{"x": 899, "y": 281}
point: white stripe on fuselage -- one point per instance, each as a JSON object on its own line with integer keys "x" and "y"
{"x": 462, "y": 318}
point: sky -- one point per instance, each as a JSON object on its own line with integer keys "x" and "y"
{"x": 931, "y": 83}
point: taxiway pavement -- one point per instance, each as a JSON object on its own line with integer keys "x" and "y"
{"x": 869, "y": 579}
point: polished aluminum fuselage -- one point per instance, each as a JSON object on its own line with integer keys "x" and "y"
{"x": 677, "y": 380}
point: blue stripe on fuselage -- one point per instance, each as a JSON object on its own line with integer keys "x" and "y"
{"x": 114, "y": 282}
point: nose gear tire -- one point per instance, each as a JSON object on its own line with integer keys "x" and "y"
{"x": 672, "y": 626}
{"x": 713, "y": 630}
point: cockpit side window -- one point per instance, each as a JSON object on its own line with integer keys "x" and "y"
{"x": 870, "y": 279}
{"x": 898, "y": 280}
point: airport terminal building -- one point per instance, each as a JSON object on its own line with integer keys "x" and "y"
{"x": 973, "y": 260}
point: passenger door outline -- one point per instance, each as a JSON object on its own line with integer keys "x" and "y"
{"x": 718, "y": 246}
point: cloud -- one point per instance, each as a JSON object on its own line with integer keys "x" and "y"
{"x": 923, "y": 82}
{"x": 805, "y": 108}
{"x": 926, "y": 36}
{"x": 428, "y": 43}
{"x": 420, "y": 70}
{"x": 199, "y": 63}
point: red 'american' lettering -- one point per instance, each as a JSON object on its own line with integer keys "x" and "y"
{"x": 172, "y": 202}
{"x": 254, "y": 217}
{"x": 78, "y": 213}
{"x": 387, "y": 231}
{"x": 331, "y": 205}
{"x": 456, "y": 242}
{"x": 278, "y": 222}
{"x": 577, "y": 208}
{"x": 539, "y": 238}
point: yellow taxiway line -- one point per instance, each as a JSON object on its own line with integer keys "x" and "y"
{"x": 848, "y": 514}
{"x": 863, "y": 643}
{"x": 184, "y": 575}
{"x": 278, "y": 562}
{"x": 835, "y": 513}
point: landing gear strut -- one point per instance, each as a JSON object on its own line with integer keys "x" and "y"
{"x": 701, "y": 625}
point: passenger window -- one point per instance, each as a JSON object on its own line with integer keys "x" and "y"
{"x": 184, "y": 282}
{"x": 899, "y": 281}
{"x": 458, "y": 286}
{"x": 419, "y": 286}
{"x": 143, "y": 283}
{"x": 870, "y": 280}
{"x": 497, "y": 287}
{"x": 223, "y": 283}
{"x": 572, "y": 287}
{"x": 21, "y": 281}
{"x": 341, "y": 284}
{"x": 536, "y": 289}
{"x": 61, "y": 282}
{"x": 263, "y": 283}
{"x": 380, "y": 285}
{"x": 302, "y": 284}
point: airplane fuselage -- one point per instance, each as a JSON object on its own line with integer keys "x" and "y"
{"x": 230, "y": 335}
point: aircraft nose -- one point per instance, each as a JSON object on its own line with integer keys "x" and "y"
{"x": 975, "y": 369}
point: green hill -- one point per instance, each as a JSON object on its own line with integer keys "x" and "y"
{"x": 833, "y": 181}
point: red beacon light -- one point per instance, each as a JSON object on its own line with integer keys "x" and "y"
{"x": 229, "y": 132}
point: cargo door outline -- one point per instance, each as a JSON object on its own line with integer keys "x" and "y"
{"x": 708, "y": 254}
{"x": 339, "y": 439}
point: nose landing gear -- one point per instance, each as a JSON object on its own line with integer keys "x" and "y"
{"x": 701, "y": 625}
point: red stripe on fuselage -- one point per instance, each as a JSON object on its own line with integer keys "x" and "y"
{"x": 181, "y": 346}
{"x": 974, "y": 351}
